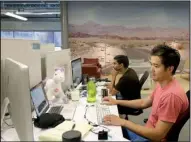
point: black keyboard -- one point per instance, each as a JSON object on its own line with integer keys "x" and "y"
{"x": 55, "y": 109}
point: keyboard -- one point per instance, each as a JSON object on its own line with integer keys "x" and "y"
{"x": 101, "y": 83}
{"x": 101, "y": 111}
{"x": 55, "y": 109}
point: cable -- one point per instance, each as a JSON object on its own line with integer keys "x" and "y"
{"x": 89, "y": 122}
{"x": 92, "y": 123}
{"x": 12, "y": 126}
{"x": 3, "y": 138}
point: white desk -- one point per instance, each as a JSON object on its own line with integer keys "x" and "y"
{"x": 115, "y": 133}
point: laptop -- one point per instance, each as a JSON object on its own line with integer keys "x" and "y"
{"x": 40, "y": 101}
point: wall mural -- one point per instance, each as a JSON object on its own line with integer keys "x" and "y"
{"x": 105, "y": 29}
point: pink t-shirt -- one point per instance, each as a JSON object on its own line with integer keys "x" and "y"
{"x": 168, "y": 103}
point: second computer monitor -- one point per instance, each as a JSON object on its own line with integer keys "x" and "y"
{"x": 17, "y": 88}
{"x": 76, "y": 65}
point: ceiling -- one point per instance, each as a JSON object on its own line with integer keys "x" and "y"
{"x": 33, "y": 10}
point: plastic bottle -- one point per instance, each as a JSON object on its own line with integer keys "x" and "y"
{"x": 91, "y": 87}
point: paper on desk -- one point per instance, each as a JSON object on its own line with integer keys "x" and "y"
{"x": 55, "y": 134}
{"x": 68, "y": 111}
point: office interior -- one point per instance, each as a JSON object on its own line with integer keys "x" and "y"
{"x": 53, "y": 33}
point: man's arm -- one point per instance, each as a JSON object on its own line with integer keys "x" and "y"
{"x": 154, "y": 134}
{"x": 114, "y": 92}
{"x": 113, "y": 81}
{"x": 137, "y": 104}
{"x": 114, "y": 74}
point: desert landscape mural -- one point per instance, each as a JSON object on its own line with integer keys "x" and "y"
{"x": 104, "y": 29}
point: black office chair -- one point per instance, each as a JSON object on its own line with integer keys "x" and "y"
{"x": 174, "y": 132}
{"x": 142, "y": 81}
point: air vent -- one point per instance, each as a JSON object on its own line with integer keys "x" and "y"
{"x": 27, "y": 5}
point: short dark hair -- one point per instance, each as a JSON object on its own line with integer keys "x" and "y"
{"x": 169, "y": 56}
{"x": 122, "y": 59}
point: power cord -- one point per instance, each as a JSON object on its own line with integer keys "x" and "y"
{"x": 94, "y": 124}
{"x": 8, "y": 124}
{"x": 2, "y": 138}
{"x": 9, "y": 118}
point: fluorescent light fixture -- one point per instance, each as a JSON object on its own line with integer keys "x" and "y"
{"x": 39, "y": 13}
{"x": 16, "y": 16}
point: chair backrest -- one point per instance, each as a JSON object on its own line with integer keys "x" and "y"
{"x": 143, "y": 78}
{"x": 91, "y": 60}
{"x": 174, "y": 132}
{"x": 142, "y": 81}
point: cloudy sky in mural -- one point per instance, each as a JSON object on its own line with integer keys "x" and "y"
{"x": 131, "y": 14}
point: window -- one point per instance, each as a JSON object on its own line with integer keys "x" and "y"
{"x": 6, "y": 34}
{"x": 43, "y": 36}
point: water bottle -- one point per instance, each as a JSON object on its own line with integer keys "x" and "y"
{"x": 91, "y": 87}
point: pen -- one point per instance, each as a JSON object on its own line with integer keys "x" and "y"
{"x": 73, "y": 126}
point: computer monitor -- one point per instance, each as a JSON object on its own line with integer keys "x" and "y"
{"x": 18, "y": 93}
{"x": 2, "y": 81}
{"x": 39, "y": 99}
{"x": 76, "y": 65}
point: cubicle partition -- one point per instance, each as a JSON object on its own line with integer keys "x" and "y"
{"x": 22, "y": 51}
{"x": 55, "y": 59}
{"x": 45, "y": 48}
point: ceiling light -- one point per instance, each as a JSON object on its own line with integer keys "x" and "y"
{"x": 16, "y": 16}
{"x": 39, "y": 13}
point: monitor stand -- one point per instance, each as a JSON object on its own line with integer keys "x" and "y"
{"x": 4, "y": 108}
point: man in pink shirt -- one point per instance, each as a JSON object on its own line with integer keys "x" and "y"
{"x": 168, "y": 99}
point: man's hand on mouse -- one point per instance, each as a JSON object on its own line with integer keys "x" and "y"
{"x": 109, "y": 101}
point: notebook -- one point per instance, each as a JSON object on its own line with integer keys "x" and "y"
{"x": 55, "y": 134}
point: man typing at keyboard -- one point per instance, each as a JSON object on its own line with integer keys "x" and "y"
{"x": 168, "y": 100}
{"x": 127, "y": 86}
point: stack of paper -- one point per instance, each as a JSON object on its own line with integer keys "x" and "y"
{"x": 55, "y": 134}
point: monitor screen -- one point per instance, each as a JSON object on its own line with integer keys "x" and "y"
{"x": 39, "y": 100}
{"x": 76, "y": 71}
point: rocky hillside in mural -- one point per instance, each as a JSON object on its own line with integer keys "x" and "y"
{"x": 92, "y": 29}
{"x": 92, "y": 40}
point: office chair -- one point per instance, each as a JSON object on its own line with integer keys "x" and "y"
{"x": 142, "y": 81}
{"x": 174, "y": 132}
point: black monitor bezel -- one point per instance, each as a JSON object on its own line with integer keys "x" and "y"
{"x": 36, "y": 86}
{"x": 72, "y": 68}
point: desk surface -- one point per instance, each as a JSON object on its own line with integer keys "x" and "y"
{"x": 79, "y": 108}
